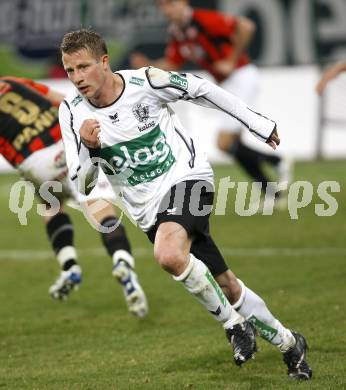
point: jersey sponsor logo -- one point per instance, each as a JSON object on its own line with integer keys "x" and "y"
{"x": 114, "y": 118}
{"x": 178, "y": 81}
{"x": 146, "y": 126}
{"x": 137, "y": 81}
{"x": 76, "y": 100}
{"x": 141, "y": 159}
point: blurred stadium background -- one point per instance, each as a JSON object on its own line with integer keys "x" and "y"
{"x": 293, "y": 41}
{"x": 298, "y": 266}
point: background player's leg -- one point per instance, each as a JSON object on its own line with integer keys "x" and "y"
{"x": 245, "y": 83}
{"x": 60, "y": 232}
{"x": 247, "y": 158}
{"x": 118, "y": 247}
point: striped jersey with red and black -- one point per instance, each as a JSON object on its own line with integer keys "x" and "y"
{"x": 28, "y": 120}
{"x": 206, "y": 39}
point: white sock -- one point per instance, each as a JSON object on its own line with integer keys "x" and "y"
{"x": 65, "y": 254}
{"x": 254, "y": 309}
{"x": 198, "y": 280}
{"x": 122, "y": 254}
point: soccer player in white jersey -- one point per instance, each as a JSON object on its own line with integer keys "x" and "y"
{"x": 121, "y": 122}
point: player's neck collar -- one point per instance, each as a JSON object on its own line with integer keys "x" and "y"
{"x": 123, "y": 85}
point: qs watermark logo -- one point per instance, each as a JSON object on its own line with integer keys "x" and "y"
{"x": 247, "y": 199}
{"x": 252, "y": 198}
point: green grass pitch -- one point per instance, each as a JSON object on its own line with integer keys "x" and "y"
{"x": 91, "y": 342}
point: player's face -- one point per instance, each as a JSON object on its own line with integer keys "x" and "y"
{"x": 85, "y": 71}
{"x": 173, "y": 10}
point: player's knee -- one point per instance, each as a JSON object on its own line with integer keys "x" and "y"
{"x": 170, "y": 259}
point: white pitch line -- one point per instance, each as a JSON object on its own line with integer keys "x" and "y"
{"x": 24, "y": 255}
{"x": 41, "y": 254}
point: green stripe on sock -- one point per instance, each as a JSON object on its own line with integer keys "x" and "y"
{"x": 217, "y": 288}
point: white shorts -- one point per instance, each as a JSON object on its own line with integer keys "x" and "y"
{"x": 49, "y": 164}
{"x": 244, "y": 83}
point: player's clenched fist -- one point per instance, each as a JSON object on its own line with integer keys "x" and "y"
{"x": 89, "y": 133}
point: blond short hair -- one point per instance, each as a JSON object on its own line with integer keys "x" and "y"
{"x": 84, "y": 39}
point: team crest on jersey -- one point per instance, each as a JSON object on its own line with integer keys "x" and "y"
{"x": 141, "y": 112}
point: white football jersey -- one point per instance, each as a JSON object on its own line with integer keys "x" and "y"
{"x": 145, "y": 148}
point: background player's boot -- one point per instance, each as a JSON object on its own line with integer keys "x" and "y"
{"x": 67, "y": 281}
{"x": 133, "y": 292}
{"x": 294, "y": 358}
{"x": 242, "y": 337}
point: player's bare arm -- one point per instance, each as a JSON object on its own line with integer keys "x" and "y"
{"x": 240, "y": 41}
{"x": 89, "y": 133}
{"x": 329, "y": 75}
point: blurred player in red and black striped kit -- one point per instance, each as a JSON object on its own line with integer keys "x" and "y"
{"x": 217, "y": 43}
{"x": 30, "y": 140}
